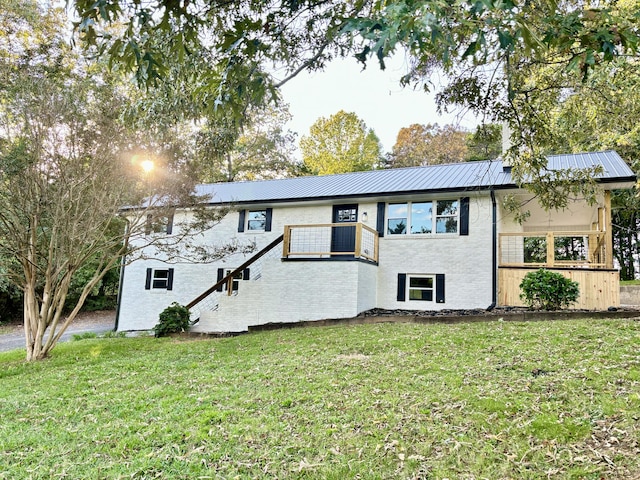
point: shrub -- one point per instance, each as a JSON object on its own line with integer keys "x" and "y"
{"x": 83, "y": 336}
{"x": 174, "y": 319}
{"x": 545, "y": 290}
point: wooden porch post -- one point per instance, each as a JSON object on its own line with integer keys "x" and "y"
{"x": 358, "y": 245}
{"x": 608, "y": 231}
{"x": 551, "y": 247}
{"x": 286, "y": 241}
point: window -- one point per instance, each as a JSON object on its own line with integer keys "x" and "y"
{"x": 159, "y": 224}
{"x": 345, "y": 215}
{"x": 420, "y": 217}
{"x": 397, "y": 219}
{"x": 421, "y": 288}
{"x": 447, "y": 216}
{"x": 257, "y": 220}
{"x": 223, "y": 272}
{"x": 159, "y": 279}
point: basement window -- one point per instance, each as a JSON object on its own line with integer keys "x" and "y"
{"x": 421, "y": 288}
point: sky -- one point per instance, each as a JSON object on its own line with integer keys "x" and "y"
{"x": 374, "y": 95}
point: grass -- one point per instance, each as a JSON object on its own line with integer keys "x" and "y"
{"x": 629, "y": 282}
{"x": 465, "y": 401}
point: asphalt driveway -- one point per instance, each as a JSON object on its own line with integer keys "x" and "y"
{"x": 96, "y": 322}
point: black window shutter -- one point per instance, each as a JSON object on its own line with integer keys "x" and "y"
{"x": 220, "y": 277}
{"x": 402, "y": 287}
{"x": 170, "y": 279}
{"x": 147, "y": 226}
{"x": 169, "y": 224}
{"x": 464, "y": 216}
{"x": 246, "y": 274}
{"x": 267, "y": 223}
{"x": 241, "y": 215}
{"x": 440, "y": 288}
{"x": 147, "y": 285}
{"x": 380, "y": 219}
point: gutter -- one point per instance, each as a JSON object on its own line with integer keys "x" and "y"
{"x": 494, "y": 252}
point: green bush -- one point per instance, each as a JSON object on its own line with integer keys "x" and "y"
{"x": 545, "y": 290}
{"x": 174, "y": 319}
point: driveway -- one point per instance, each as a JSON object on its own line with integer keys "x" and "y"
{"x": 96, "y": 322}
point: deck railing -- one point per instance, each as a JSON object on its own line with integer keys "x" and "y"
{"x": 582, "y": 249}
{"x": 330, "y": 240}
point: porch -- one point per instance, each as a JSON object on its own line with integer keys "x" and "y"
{"x": 334, "y": 241}
{"x": 583, "y": 256}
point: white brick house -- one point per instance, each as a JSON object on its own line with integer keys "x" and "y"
{"x": 425, "y": 238}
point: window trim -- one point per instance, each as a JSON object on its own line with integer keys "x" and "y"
{"x": 432, "y": 289}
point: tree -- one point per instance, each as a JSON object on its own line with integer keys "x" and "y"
{"x": 488, "y": 51}
{"x": 420, "y": 145}
{"x": 66, "y": 171}
{"x": 338, "y": 144}
{"x": 485, "y": 143}
{"x": 604, "y": 113}
{"x": 260, "y": 149}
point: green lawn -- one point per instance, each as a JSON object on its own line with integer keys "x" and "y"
{"x": 463, "y": 401}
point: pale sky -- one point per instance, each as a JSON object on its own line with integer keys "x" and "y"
{"x": 374, "y": 95}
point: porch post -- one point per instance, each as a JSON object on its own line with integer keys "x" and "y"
{"x": 358, "y": 242}
{"x": 286, "y": 241}
{"x": 551, "y": 247}
{"x": 608, "y": 232}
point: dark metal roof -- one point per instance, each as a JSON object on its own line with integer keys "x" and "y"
{"x": 433, "y": 178}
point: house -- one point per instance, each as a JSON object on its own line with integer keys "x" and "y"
{"x": 425, "y": 238}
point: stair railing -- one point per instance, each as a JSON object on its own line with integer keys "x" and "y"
{"x": 205, "y": 300}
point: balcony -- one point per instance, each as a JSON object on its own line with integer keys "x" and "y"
{"x": 332, "y": 241}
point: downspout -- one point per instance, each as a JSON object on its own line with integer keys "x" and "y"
{"x": 121, "y": 283}
{"x": 494, "y": 252}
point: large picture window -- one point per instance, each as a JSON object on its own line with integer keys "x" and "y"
{"x": 421, "y": 217}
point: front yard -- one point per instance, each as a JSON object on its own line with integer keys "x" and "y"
{"x": 466, "y": 401}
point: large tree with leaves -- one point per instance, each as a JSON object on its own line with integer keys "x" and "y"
{"x": 338, "y": 144}
{"x": 257, "y": 148}
{"x": 486, "y": 48}
{"x": 420, "y": 145}
{"x": 66, "y": 170}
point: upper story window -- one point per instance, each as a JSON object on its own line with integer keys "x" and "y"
{"x": 427, "y": 217}
{"x": 159, "y": 224}
{"x": 257, "y": 220}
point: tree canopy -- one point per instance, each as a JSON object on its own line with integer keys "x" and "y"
{"x": 339, "y": 144}
{"x": 431, "y": 144}
{"x": 492, "y": 52}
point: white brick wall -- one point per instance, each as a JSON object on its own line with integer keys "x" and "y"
{"x": 296, "y": 291}
{"x": 466, "y": 262}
